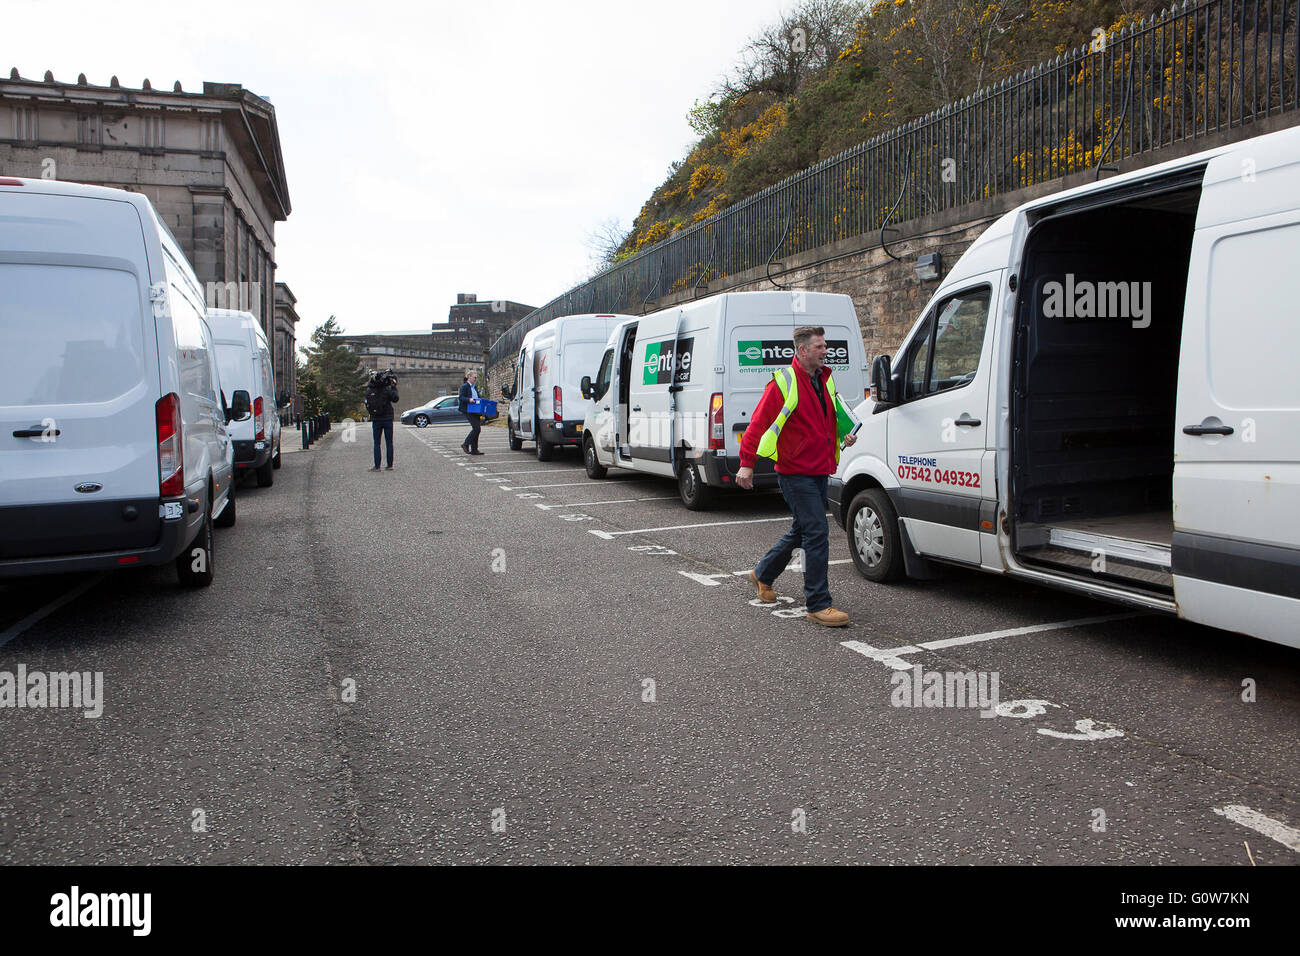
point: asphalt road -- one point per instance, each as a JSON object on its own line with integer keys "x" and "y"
{"x": 494, "y": 659}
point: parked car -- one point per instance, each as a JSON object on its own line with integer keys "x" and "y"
{"x": 1100, "y": 396}
{"x": 437, "y": 412}
{"x": 244, "y": 356}
{"x": 114, "y": 443}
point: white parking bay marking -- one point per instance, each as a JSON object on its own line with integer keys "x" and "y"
{"x": 612, "y": 501}
{"x": 891, "y": 656}
{"x": 1288, "y": 836}
{"x": 568, "y": 484}
{"x": 610, "y": 535}
{"x": 708, "y": 579}
{"x": 538, "y": 471}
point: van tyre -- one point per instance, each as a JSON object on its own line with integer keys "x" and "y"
{"x": 594, "y": 468}
{"x": 545, "y": 450}
{"x": 696, "y": 495}
{"x": 266, "y": 474}
{"x": 194, "y": 565}
{"x": 516, "y": 442}
{"x": 874, "y": 541}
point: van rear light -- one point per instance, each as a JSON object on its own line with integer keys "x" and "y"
{"x": 11, "y": 182}
{"x": 717, "y": 434}
{"x": 559, "y": 405}
{"x": 261, "y": 422}
{"x": 171, "y": 455}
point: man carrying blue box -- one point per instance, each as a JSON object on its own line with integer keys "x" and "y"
{"x": 468, "y": 393}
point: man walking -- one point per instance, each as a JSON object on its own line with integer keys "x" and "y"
{"x": 468, "y": 393}
{"x": 798, "y": 424}
{"x": 381, "y": 392}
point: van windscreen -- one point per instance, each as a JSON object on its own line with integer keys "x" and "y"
{"x": 71, "y": 334}
{"x": 232, "y": 362}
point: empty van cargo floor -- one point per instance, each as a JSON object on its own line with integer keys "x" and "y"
{"x": 1153, "y": 527}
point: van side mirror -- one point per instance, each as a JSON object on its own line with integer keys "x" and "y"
{"x": 882, "y": 384}
{"x": 586, "y": 387}
{"x": 241, "y": 407}
{"x": 506, "y": 392}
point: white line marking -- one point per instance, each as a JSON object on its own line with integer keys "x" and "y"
{"x": 891, "y": 656}
{"x": 1032, "y": 629}
{"x": 886, "y": 655}
{"x": 679, "y": 527}
{"x": 1288, "y": 836}
{"x": 570, "y": 484}
{"x": 538, "y": 471}
{"x": 49, "y": 609}
{"x": 612, "y": 501}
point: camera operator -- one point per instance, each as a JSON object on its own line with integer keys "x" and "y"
{"x": 381, "y": 392}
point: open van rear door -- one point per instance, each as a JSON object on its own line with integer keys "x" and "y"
{"x": 654, "y": 365}
{"x": 1236, "y": 486}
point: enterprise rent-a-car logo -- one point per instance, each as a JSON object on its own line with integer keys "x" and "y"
{"x": 756, "y": 356}
{"x": 659, "y": 364}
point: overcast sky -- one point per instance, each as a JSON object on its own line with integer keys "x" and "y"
{"x": 430, "y": 149}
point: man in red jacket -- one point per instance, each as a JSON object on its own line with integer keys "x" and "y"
{"x": 798, "y": 423}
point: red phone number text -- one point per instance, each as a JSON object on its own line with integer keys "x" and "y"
{"x": 939, "y": 476}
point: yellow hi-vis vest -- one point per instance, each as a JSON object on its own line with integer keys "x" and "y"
{"x": 785, "y": 381}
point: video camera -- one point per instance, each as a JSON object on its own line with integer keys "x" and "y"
{"x": 383, "y": 378}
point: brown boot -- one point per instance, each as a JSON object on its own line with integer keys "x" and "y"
{"x": 765, "y": 592}
{"x": 829, "y": 617}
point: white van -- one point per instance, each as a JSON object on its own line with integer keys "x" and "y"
{"x": 245, "y": 361}
{"x": 675, "y": 389}
{"x": 114, "y": 450}
{"x": 1102, "y": 396}
{"x": 552, "y": 360}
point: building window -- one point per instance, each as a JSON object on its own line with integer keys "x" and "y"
{"x": 152, "y": 135}
{"x": 25, "y": 127}
{"x": 89, "y": 129}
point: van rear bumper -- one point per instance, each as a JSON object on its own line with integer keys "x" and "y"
{"x": 720, "y": 472}
{"x": 248, "y": 455}
{"x": 561, "y": 433}
{"x": 170, "y": 540}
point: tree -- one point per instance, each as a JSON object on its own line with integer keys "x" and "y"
{"x": 332, "y": 381}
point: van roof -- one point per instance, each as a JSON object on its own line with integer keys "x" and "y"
{"x": 57, "y": 187}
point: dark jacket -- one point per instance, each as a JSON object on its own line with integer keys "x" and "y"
{"x": 465, "y": 396}
{"x": 379, "y": 401}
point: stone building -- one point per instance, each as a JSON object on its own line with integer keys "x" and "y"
{"x": 283, "y": 343}
{"x": 483, "y": 321}
{"x": 210, "y": 163}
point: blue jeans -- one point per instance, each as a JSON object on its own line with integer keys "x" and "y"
{"x": 806, "y": 496}
{"x": 383, "y": 427}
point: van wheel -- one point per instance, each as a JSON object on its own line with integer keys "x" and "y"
{"x": 275, "y": 462}
{"x": 874, "y": 541}
{"x": 266, "y": 475}
{"x": 194, "y": 565}
{"x": 696, "y": 495}
{"x": 421, "y": 421}
{"x": 516, "y": 442}
{"x": 227, "y": 517}
{"x": 545, "y": 450}
{"x": 594, "y": 468}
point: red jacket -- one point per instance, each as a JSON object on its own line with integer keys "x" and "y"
{"x": 806, "y": 445}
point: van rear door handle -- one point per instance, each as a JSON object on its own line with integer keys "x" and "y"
{"x": 1210, "y": 426}
{"x": 967, "y": 421}
{"x": 636, "y": 408}
{"x": 36, "y": 432}
{"x": 604, "y": 408}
